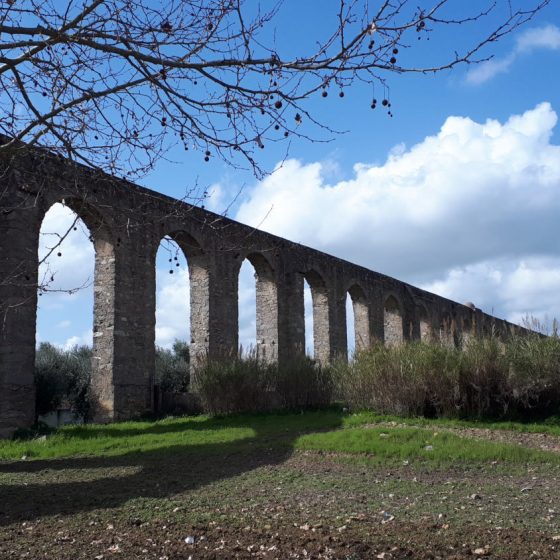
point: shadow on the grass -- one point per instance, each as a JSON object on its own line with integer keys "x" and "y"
{"x": 157, "y": 473}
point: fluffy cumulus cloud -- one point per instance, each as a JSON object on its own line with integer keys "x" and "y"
{"x": 172, "y": 305}
{"x": 66, "y": 256}
{"x": 536, "y": 38}
{"x": 470, "y": 212}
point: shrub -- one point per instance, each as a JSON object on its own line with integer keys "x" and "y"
{"x": 534, "y": 369}
{"x": 410, "y": 379}
{"x": 172, "y": 368}
{"x": 519, "y": 379}
{"x": 62, "y": 375}
{"x": 234, "y": 385}
{"x": 247, "y": 384}
{"x": 302, "y": 383}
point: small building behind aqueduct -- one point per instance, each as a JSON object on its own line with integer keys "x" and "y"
{"x": 127, "y": 223}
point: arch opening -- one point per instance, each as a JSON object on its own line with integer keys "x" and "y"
{"x": 308, "y": 320}
{"x": 466, "y": 331}
{"x": 392, "y": 322}
{"x": 75, "y": 311}
{"x": 258, "y": 308}
{"x": 172, "y": 334}
{"x": 182, "y": 296}
{"x": 320, "y": 313}
{"x": 350, "y": 328}
{"x": 446, "y": 330}
{"x": 425, "y": 327}
{"x": 247, "y": 305}
{"x": 359, "y": 332}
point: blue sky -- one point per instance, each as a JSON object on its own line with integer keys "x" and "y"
{"x": 458, "y": 192}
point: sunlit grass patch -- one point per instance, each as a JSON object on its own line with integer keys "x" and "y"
{"x": 186, "y": 434}
{"x": 550, "y": 426}
{"x": 405, "y": 438}
{"x": 416, "y": 444}
{"x": 127, "y": 437}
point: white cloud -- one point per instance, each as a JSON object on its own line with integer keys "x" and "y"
{"x": 70, "y": 275}
{"x": 85, "y": 339}
{"x": 172, "y": 305}
{"x": 470, "y": 212}
{"x": 463, "y": 212}
{"x": 62, "y": 234}
{"x": 546, "y": 37}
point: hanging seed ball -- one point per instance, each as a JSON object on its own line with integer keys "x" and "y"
{"x": 286, "y": 134}
{"x": 75, "y": 229}
{"x": 207, "y": 153}
{"x": 170, "y": 272}
{"x": 298, "y": 117}
{"x": 177, "y": 264}
{"x": 278, "y": 104}
{"x": 276, "y": 127}
{"x": 395, "y": 51}
{"x": 325, "y": 93}
{"x": 175, "y": 259}
{"x": 59, "y": 254}
{"x": 385, "y": 102}
{"x": 206, "y": 158}
{"x": 341, "y": 94}
{"x": 373, "y": 105}
{"x": 393, "y": 60}
{"x": 170, "y": 260}
{"x": 275, "y": 84}
{"x": 371, "y": 44}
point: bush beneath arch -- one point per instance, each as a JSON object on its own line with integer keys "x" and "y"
{"x": 247, "y": 384}
{"x": 486, "y": 379}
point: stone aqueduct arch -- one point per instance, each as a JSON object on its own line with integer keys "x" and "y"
{"x": 127, "y": 223}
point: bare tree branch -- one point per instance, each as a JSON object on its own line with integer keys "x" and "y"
{"x": 115, "y": 83}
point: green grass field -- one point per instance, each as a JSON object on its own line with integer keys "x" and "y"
{"x": 328, "y": 431}
{"x": 326, "y": 484}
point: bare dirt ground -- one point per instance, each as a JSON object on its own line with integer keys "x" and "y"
{"x": 267, "y": 501}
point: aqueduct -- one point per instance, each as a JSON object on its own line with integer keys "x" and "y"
{"x": 127, "y": 223}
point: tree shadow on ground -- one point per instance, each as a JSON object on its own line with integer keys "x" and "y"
{"x": 157, "y": 473}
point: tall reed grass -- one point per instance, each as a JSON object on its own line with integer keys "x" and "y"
{"x": 486, "y": 378}
{"x": 247, "y": 384}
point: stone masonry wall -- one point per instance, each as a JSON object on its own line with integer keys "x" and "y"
{"x": 127, "y": 223}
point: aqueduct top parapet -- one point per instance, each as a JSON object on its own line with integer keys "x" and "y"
{"x": 127, "y": 223}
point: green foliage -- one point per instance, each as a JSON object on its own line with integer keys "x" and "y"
{"x": 382, "y": 443}
{"x": 325, "y": 431}
{"x": 243, "y": 384}
{"x": 411, "y": 379}
{"x": 62, "y": 375}
{"x": 172, "y": 368}
{"x": 485, "y": 379}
